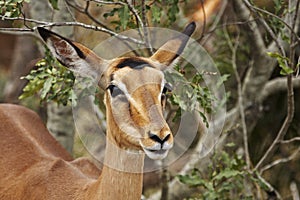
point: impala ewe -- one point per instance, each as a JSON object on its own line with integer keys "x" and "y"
{"x": 34, "y": 166}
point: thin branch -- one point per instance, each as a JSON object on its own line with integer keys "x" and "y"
{"x": 280, "y": 161}
{"x": 52, "y": 24}
{"x": 267, "y": 27}
{"x": 86, "y": 12}
{"x": 286, "y": 123}
{"x": 136, "y": 14}
{"x": 146, "y": 34}
{"x": 233, "y": 48}
{"x": 108, "y": 2}
{"x": 19, "y": 32}
{"x": 67, "y": 5}
{"x": 244, "y": 13}
{"x": 269, "y": 186}
{"x": 276, "y": 17}
{"x": 214, "y": 26}
{"x": 290, "y": 97}
{"x": 23, "y": 19}
{"x": 96, "y": 28}
{"x": 276, "y": 85}
{"x": 141, "y": 25}
{"x": 290, "y": 140}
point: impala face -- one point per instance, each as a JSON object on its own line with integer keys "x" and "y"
{"x": 135, "y": 99}
{"x": 135, "y": 90}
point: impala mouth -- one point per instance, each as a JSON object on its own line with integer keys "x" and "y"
{"x": 156, "y": 154}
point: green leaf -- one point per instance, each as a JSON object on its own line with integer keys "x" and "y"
{"x": 231, "y": 144}
{"x": 47, "y": 87}
{"x": 156, "y": 13}
{"x": 54, "y": 4}
{"x": 227, "y": 173}
{"x": 172, "y": 12}
{"x": 124, "y": 16}
{"x": 282, "y": 61}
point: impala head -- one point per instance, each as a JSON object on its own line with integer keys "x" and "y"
{"x": 134, "y": 90}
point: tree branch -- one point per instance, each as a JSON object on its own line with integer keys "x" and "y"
{"x": 267, "y": 27}
{"x": 280, "y": 161}
{"x": 52, "y": 24}
{"x": 276, "y": 85}
{"x": 290, "y": 93}
{"x": 141, "y": 25}
{"x": 108, "y": 2}
{"x": 263, "y": 65}
{"x": 240, "y": 105}
{"x": 290, "y": 140}
{"x": 258, "y": 10}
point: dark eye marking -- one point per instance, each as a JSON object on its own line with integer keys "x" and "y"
{"x": 134, "y": 64}
{"x": 167, "y": 88}
{"x": 114, "y": 90}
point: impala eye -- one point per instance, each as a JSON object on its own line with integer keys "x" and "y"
{"x": 114, "y": 90}
{"x": 167, "y": 88}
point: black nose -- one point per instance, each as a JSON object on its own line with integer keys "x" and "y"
{"x": 158, "y": 139}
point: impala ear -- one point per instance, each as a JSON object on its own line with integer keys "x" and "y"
{"x": 75, "y": 56}
{"x": 167, "y": 53}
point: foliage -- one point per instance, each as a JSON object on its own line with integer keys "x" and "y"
{"x": 54, "y": 4}
{"x": 225, "y": 178}
{"x": 161, "y": 11}
{"x": 191, "y": 94}
{"x": 11, "y": 8}
{"x": 55, "y": 83}
{"x": 283, "y": 63}
{"x": 276, "y": 24}
{"x": 51, "y": 80}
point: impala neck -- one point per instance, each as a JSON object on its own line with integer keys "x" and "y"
{"x": 122, "y": 175}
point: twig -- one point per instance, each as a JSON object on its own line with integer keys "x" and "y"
{"x": 276, "y": 85}
{"x": 290, "y": 98}
{"x": 96, "y": 28}
{"x": 141, "y": 25}
{"x": 269, "y": 186}
{"x": 86, "y": 11}
{"x": 290, "y": 140}
{"x": 286, "y": 123}
{"x": 267, "y": 27}
{"x": 108, "y": 2}
{"x": 66, "y": 2}
{"x": 52, "y": 24}
{"x": 240, "y": 105}
{"x": 276, "y": 17}
{"x": 146, "y": 34}
{"x": 280, "y": 161}
{"x": 136, "y": 14}
{"x": 215, "y": 24}
{"x": 23, "y": 19}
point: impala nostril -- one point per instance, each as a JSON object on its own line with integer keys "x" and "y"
{"x": 156, "y": 138}
{"x": 166, "y": 138}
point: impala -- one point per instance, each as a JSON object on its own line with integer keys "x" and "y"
{"x": 34, "y": 166}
